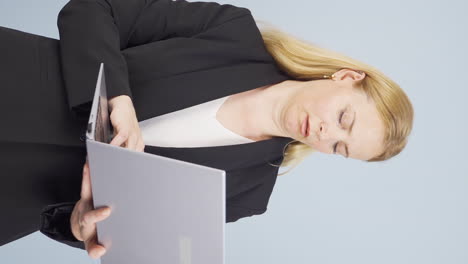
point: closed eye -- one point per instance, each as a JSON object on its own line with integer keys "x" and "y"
{"x": 339, "y": 120}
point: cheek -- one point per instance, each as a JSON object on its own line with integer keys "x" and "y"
{"x": 321, "y": 147}
{"x": 329, "y": 109}
{"x": 322, "y": 112}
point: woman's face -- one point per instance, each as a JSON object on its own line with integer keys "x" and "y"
{"x": 339, "y": 116}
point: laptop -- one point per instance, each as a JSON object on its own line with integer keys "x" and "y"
{"x": 163, "y": 210}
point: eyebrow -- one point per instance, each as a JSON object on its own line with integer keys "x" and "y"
{"x": 349, "y": 133}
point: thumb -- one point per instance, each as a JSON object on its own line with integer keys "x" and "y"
{"x": 86, "y": 183}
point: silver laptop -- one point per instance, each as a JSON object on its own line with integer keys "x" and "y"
{"x": 163, "y": 210}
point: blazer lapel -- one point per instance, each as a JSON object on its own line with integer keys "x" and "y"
{"x": 227, "y": 157}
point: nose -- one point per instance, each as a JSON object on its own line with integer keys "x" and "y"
{"x": 333, "y": 133}
{"x": 323, "y": 133}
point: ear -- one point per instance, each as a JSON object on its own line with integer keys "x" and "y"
{"x": 348, "y": 74}
{"x": 356, "y": 75}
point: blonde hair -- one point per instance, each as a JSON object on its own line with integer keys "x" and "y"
{"x": 303, "y": 60}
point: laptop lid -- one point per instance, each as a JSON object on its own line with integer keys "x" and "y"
{"x": 163, "y": 210}
{"x": 99, "y": 125}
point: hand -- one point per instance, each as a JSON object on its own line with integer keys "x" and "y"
{"x": 84, "y": 218}
{"x": 125, "y": 124}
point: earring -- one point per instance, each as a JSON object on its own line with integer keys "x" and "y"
{"x": 328, "y": 77}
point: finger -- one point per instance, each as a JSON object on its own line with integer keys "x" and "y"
{"x": 141, "y": 146}
{"x": 119, "y": 139}
{"x": 86, "y": 182}
{"x": 94, "y": 249}
{"x": 92, "y": 217}
{"x": 131, "y": 143}
{"x": 97, "y": 251}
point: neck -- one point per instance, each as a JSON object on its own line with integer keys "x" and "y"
{"x": 262, "y": 110}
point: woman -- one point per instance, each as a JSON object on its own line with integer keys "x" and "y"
{"x": 274, "y": 99}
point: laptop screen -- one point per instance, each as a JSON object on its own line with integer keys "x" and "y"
{"x": 99, "y": 126}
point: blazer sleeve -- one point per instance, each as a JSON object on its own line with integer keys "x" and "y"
{"x": 95, "y": 31}
{"x": 55, "y": 224}
{"x": 251, "y": 202}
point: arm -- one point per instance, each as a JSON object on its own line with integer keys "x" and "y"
{"x": 95, "y": 31}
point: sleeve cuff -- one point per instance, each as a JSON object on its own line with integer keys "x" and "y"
{"x": 55, "y": 224}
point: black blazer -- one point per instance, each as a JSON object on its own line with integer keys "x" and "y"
{"x": 170, "y": 55}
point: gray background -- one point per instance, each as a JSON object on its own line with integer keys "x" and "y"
{"x": 411, "y": 209}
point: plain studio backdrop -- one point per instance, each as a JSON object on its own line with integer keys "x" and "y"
{"x": 329, "y": 210}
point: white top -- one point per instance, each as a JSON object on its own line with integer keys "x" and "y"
{"x": 195, "y": 126}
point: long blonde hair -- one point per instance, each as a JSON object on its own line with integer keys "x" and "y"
{"x": 303, "y": 60}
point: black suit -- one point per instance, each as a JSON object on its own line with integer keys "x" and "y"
{"x": 168, "y": 55}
